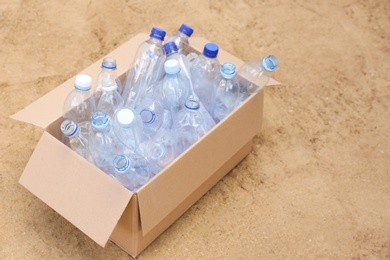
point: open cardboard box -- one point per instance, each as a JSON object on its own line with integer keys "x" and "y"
{"x": 102, "y": 208}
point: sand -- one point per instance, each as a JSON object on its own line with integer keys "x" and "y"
{"x": 317, "y": 182}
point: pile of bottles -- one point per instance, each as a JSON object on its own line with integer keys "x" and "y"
{"x": 131, "y": 130}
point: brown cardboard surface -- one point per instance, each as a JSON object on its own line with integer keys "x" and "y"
{"x": 199, "y": 163}
{"x": 144, "y": 240}
{"x": 87, "y": 197}
{"x": 163, "y": 198}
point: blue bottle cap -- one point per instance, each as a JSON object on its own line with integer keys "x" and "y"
{"x": 270, "y": 63}
{"x": 158, "y": 33}
{"x": 228, "y": 70}
{"x": 170, "y": 48}
{"x": 210, "y": 50}
{"x": 187, "y": 30}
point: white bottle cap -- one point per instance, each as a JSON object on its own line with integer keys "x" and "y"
{"x": 83, "y": 82}
{"x": 171, "y": 67}
{"x": 125, "y": 117}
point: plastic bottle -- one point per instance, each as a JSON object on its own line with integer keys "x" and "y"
{"x": 127, "y": 126}
{"x": 172, "y": 53}
{"x": 161, "y": 150}
{"x": 80, "y": 104}
{"x": 77, "y": 134}
{"x": 227, "y": 92}
{"x": 108, "y": 71}
{"x": 256, "y": 74}
{"x": 205, "y": 67}
{"x": 151, "y": 112}
{"x": 103, "y": 143}
{"x": 174, "y": 89}
{"x": 110, "y": 99}
{"x": 181, "y": 38}
{"x": 130, "y": 170}
{"x": 191, "y": 123}
{"x": 146, "y": 69}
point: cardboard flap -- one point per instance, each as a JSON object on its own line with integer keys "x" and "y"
{"x": 49, "y": 107}
{"x": 162, "y": 195}
{"x": 72, "y": 186}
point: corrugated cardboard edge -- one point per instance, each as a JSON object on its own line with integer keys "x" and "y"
{"x": 88, "y": 198}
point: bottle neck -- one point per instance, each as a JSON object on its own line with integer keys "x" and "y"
{"x": 182, "y": 35}
{"x": 122, "y": 164}
{"x": 155, "y": 41}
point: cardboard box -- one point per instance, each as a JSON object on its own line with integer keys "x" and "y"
{"x": 102, "y": 208}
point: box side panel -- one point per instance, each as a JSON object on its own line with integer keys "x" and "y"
{"x": 145, "y": 240}
{"x": 126, "y": 232}
{"x": 76, "y": 189}
{"x": 180, "y": 179}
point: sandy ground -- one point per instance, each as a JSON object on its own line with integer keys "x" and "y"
{"x": 317, "y": 182}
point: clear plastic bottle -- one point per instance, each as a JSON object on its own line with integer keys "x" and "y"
{"x": 181, "y": 38}
{"x": 80, "y": 104}
{"x": 108, "y": 72}
{"x": 227, "y": 92}
{"x": 175, "y": 89}
{"x": 146, "y": 69}
{"x": 103, "y": 143}
{"x": 256, "y": 74}
{"x": 160, "y": 150}
{"x": 151, "y": 112}
{"x": 128, "y": 128}
{"x": 131, "y": 170}
{"x": 205, "y": 67}
{"x": 172, "y": 53}
{"x": 110, "y": 99}
{"x": 191, "y": 123}
{"x": 77, "y": 135}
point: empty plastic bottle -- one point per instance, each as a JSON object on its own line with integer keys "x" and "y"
{"x": 161, "y": 150}
{"x": 205, "y": 67}
{"x": 110, "y": 99}
{"x": 103, "y": 143}
{"x": 108, "y": 71}
{"x": 131, "y": 170}
{"x": 151, "y": 112}
{"x": 181, "y": 38}
{"x": 191, "y": 123}
{"x": 77, "y": 135}
{"x": 80, "y": 104}
{"x": 174, "y": 89}
{"x": 255, "y": 75}
{"x": 146, "y": 69}
{"x": 172, "y": 53}
{"x": 227, "y": 92}
{"x": 127, "y": 126}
